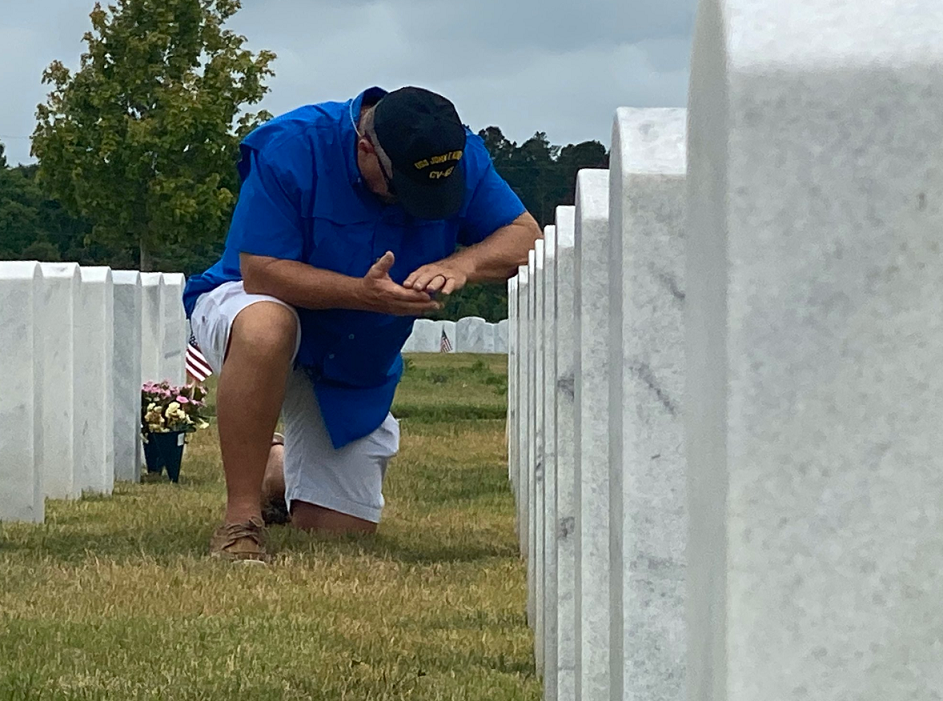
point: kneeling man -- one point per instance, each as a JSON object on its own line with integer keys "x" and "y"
{"x": 352, "y": 217}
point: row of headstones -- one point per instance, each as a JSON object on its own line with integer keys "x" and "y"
{"x": 77, "y": 344}
{"x": 726, "y": 375}
{"x": 471, "y": 334}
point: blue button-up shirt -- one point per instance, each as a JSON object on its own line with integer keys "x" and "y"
{"x": 303, "y": 199}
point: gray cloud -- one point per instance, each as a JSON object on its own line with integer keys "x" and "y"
{"x": 524, "y": 65}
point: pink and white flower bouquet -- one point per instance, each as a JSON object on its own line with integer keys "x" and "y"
{"x": 166, "y": 408}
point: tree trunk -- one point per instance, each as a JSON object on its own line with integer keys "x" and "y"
{"x": 145, "y": 262}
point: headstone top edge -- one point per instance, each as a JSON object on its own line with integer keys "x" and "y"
{"x": 649, "y": 141}
{"x": 152, "y": 279}
{"x": 565, "y": 225}
{"x": 660, "y": 113}
{"x": 550, "y": 242}
{"x": 96, "y": 273}
{"x": 174, "y": 278}
{"x": 563, "y": 213}
{"x": 60, "y": 270}
{"x": 592, "y": 195}
{"x": 126, "y": 277}
{"x": 834, "y": 34}
{"x": 19, "y": 269}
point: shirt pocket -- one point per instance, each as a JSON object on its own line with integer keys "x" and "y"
{"x": 420, "y": 243}
{"x": 342, "y": 244}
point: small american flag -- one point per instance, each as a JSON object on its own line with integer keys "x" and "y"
{"x": 197, "y": 366}
{"x": 445, "y": 345}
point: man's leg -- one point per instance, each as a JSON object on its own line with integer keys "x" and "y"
{"x": 274, "y": 507}
{"x": 304, "y": 516}
{"x": 249, "y": 398}
{"x": 309, "y": 517}
{"x": 334, "y": 491}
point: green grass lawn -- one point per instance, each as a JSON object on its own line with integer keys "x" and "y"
{"x": 113, "y": 598}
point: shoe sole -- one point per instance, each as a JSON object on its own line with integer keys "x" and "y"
{"x": 243, "y": 559}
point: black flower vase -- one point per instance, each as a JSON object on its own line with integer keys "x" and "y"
{"x": 152, "y": 455}
{"x": 165, "y": 450}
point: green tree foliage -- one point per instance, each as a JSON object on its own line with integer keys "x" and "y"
{"x": 33, "y": 226}
{"x": 544, "y": 177}
{"x": 143, "y": 139}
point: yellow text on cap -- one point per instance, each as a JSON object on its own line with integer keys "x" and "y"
{"x": 436, "y": 160}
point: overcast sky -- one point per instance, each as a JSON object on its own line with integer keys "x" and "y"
{"x": 557, "y": 66}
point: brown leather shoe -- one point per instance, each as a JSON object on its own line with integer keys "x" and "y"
{"x": 240, "y": 542}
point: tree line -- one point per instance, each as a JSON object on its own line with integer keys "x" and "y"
{"x": 137, "y": 149}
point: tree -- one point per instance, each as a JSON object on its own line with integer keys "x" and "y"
{"x": 143, "y": 139}
{"x": 500, "y": 149}
{"x": 543, "y": 176}
{"x": 572, "y": 159}
{"x": 18, "y": 212}
{"x": 32, "y": 227}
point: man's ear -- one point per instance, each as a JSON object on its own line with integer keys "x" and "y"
{"x": 364, "y": 145}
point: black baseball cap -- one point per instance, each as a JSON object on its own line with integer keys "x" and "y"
{"x": 421, "y": 133}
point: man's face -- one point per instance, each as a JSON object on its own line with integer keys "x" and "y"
{"x": 374, "y": 173}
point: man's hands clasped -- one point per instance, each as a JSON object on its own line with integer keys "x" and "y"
{"x": 445, "y": 276}
{"x": 379, "y": 293}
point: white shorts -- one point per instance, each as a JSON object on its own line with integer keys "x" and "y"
{"x": 349, "y": 480}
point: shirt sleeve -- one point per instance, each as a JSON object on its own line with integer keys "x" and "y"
{"x": 267, "y": 219}
{"x": 493, "y": 205}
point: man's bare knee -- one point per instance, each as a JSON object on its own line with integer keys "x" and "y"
{"x": 264, "y": 331}
{"x": 309, "y": 517}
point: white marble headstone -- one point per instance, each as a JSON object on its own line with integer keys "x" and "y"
{"x": 127, "y": 369}
{"x": 470, "y": 335}
{"x": 564, "y": 463}
{"x": 513, "y": 379}
{"x": 58, "y": 295}
{"x": 524, "y": 372}
{"x": 530, "y": 363}
{"x": 814, "y": 397}
{"x": 501, "y": 335}
{"x": 647, "y": 467}
{"x": 21, "y": 395}
{"x": 592, "y": 433}
{"x": 537, "y": 416}
{"x": 547, "y": 650}
{"x": 174, "y": 330}
{"x": 152, "y": 344}
{"x": 488, "y": 337}
{"x": 425, "y": 337}
{"x": 94, "y": 381}
{"x": 449, "y": 328}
